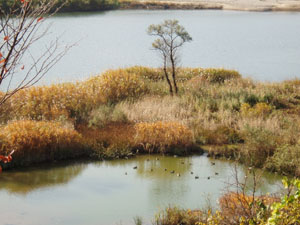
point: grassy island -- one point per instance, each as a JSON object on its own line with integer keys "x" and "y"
{"x": 122, "y": 112}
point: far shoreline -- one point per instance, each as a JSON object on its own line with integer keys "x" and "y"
{"x": 242, "y": 5}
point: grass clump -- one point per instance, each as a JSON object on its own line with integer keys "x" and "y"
{"x": 218, "y": 75}
{"x": 175, "y": 216}
{"x": 147, "y": 73}
{"x": 40, "y": 141}
{"x": 106, "y": 115}
{"x": 71, "y": 101}
{"x": 163, "y": 137}
{"x": 116, "y": 85}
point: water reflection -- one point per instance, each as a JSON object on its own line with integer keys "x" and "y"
{"x": 29, "y": 180}
{"x": 116, "y": 190}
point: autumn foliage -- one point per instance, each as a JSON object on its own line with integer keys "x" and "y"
{"x": 163, "y": 136}
{"x": 39, "y": 141}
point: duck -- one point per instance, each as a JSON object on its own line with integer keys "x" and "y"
{"x": 178, "y": 174}
{"x": 213, "y": 163}
{"x": 173, "y": 171}
{"x": 216, "y": 173}
{"x": 135, "y": 167}
{"x": 125, "y": 173}
{"x": 165, "y": 169}
{"x": 192, "y": 172}
{"x": 208, "y": 178}
{"x": 196, "y": 177}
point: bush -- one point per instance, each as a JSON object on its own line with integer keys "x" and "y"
{"x": 251, "y": 99}
{"x": 219, "y": 136}
{"x": 286, "y": 159}
{"x": 163, "y": 136}
{"x": 259, "y": 109}
{"x": 259, "y": 145}
{"x": 287, "y": 210}
{"x": 105, "y": 115}
{"x": 219, "y": 75}
{"x": 39, "y": 142}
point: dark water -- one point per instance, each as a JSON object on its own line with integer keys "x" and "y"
{"x": 264, "y": 46}
{"x": 99, "y": 193}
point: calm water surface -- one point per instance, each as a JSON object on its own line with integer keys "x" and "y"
{"x": 264, "y": 46}
{"x": 99, "y": 193}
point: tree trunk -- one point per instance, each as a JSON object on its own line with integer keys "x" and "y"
{"x": 167, "y": 77}
{"x": 174, "y": 73}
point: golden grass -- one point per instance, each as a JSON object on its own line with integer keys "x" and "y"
{"x": 39, "y": 141}
{"x": 115, "y": 85}
{"x": 163, "y": 136}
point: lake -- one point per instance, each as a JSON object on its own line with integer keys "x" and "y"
{"x": 112, "y": 192}
{"x": 263, "y": 46}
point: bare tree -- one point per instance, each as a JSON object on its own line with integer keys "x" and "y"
{"x": 21, "y": 26}
{"x": 171, "y": 36}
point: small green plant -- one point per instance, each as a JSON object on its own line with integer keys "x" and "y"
{"x": 138, "y": 220}
{"x": 287, "y": 210}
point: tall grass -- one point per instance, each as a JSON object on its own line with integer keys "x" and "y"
{"x": 41, "y": 141}
{"x": 163, "y": 137}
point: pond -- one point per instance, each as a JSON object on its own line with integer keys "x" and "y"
{"x": 263, "y": 46}
{"x": 113, "y": 192}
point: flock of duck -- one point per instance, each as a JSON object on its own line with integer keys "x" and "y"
{"x": 178, "y": 174}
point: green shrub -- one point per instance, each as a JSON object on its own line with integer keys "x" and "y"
{"x": 286, "y": 159}
{"x": 286, "y": 212}
{"x": 259, "y": 145}
{"x": 251, "y": 99}
{"x": 105, "y": 115}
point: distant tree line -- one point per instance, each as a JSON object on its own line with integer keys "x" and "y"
{"x": 68, "y": 6}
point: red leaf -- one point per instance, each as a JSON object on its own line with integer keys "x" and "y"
{"x": 1, "y": 55}
{"x": 39, "y": 19}
{"x": 6, "y": 38}
{"x": 22, "y": 68}
{"x": 2, "y": 61}
{"x": 0, "y": 169}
